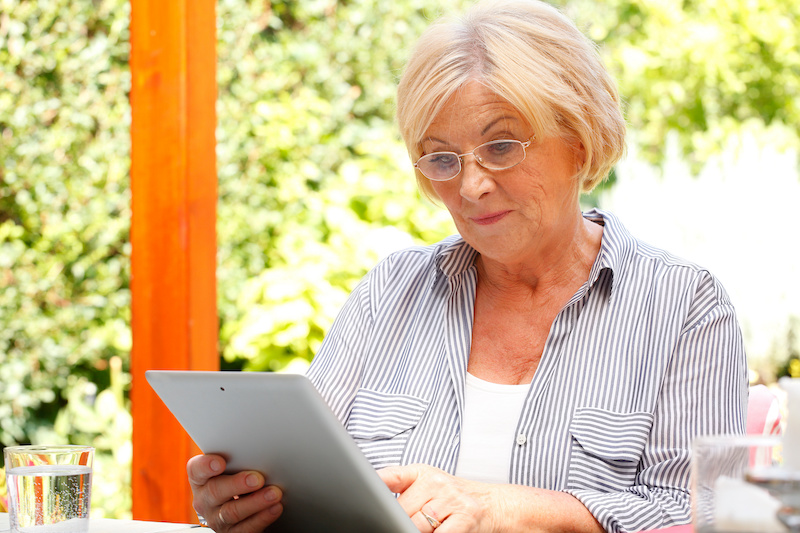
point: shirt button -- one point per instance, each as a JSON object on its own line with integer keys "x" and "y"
{"x": 521, "y": 439}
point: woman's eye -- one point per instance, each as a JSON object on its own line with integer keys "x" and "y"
{"x": 500, "y": 148}
{"x": 444, "y": 159}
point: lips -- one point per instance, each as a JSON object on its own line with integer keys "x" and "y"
{"x": 489, "y": 218}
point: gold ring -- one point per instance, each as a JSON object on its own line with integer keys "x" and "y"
{"x": 431, "y": 520}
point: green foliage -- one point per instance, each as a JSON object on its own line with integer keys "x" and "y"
{"x": 64, "y": 216}
{"x": 700, "y": 68}
{"x": 3, "y": 492}
{"x": 787, "y": 353}
{"x": 318, "y": 165}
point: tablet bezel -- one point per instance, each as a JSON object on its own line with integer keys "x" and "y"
{"x": 278, "y": 424}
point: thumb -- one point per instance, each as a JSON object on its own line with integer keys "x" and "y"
{"x": 399, "y": 478}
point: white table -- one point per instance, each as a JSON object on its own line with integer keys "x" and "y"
{"x": 109, "y": 525}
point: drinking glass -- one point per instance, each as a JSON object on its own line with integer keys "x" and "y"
{"x": 49, "y": 488}
{"x": 740, "y": 484}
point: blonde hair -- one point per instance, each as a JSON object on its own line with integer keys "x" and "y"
{"x": 529, "y": 53}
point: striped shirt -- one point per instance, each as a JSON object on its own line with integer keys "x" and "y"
{"x": 646, "y": 355}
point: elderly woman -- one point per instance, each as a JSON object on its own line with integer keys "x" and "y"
{"x": 543, "y": 370}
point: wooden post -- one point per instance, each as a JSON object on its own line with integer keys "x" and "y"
{"x": 173, "y": 237}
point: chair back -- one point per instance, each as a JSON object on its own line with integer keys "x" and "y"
{"x": 763, "y": 412}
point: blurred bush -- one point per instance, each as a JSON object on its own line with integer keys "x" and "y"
{"x": 318, "y": 166}
{"x": 64, "y": 218}
{"x": 786, "y": 354}
{"x": 700, "y": 68}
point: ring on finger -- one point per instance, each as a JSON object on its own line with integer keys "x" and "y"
{"x": 431, "y": 520}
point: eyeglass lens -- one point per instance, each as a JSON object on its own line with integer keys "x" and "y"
{"x": 494, "y": 155}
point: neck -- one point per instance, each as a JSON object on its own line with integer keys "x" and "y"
{"x": 558, "y": 265}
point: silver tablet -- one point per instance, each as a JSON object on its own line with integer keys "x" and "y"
{"x": 279, "y": 425}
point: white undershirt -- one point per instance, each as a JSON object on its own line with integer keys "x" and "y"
{"x": 488, "y": 430}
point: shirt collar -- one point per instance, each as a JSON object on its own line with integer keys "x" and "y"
{"x": 616, "y": 248}
{"x": 455, "y": 256}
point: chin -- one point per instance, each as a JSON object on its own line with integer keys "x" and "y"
{"x": 498, "y": 250}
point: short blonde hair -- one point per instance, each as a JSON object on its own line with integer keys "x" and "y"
{"x": 529, "y": 53}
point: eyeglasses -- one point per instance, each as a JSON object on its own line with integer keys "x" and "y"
{"x": 494, "y": 155}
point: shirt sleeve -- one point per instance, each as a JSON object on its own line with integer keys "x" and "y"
{"x": 704, "y": 392}
{"x": 338, "y": 365}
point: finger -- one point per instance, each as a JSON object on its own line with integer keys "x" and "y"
{"x": 431, "y": 516}
{"x": 250, "y": 510}
{"x": 399, "y": 478}
{"x": 453, "y": 515}
{"x": 429, "y": 483}
{"x": 201, "y": 468}
{"x": 421, "y": 522}
{"x": 221, "y": 489}
{"x": 259, "y": 521}
{"x": 456, "y": 523}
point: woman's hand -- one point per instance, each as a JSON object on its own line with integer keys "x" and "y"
{"x": 459, "y": 505}
{"x": 455, "y": 503}
{"x": 238, "y": 503}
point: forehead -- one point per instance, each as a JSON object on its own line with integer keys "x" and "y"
{"x": 474, "y": 109}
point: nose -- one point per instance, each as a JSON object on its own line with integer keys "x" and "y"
{"x": 475, "y": 180}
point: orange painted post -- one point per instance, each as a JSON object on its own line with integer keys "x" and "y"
{"x": 173, "y": 236}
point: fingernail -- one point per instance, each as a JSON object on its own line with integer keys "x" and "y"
{"x": 215, "y": 466}
{"x": 252, "y": 480}
{"x": 271, "y": 495}
{"x": 275, "y": 509}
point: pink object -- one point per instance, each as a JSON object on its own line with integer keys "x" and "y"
{"x": 763, "y": 418}
{"x": 763, "y": 412}
{"x": 674, "y": 529}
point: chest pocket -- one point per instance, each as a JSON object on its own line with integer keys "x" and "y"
{"x": 381, "y": 423}
{"x": 606, "y": 448}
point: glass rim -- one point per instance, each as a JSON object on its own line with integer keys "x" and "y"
{"x": 737, "y": 440}
{"x": 48, "y": 448}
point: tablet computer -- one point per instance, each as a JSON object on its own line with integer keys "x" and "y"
{"x": 278, "y": 424}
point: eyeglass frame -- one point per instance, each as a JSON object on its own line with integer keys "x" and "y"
{"x": 460, "y": 157}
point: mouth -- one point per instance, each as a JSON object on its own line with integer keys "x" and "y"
{"x": 489, "y": 218}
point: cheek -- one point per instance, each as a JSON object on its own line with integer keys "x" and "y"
{"x": 447, "y": 191}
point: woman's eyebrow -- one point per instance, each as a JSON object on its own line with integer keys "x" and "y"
{"x": 434, "y": 140}
{"x": 486, "y": 128}
{"x": 492, "y": 123}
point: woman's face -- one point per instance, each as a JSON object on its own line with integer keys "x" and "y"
{"x": 513, "y": 216}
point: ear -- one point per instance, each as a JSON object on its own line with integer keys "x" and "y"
{"x": 580, "y": 153}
